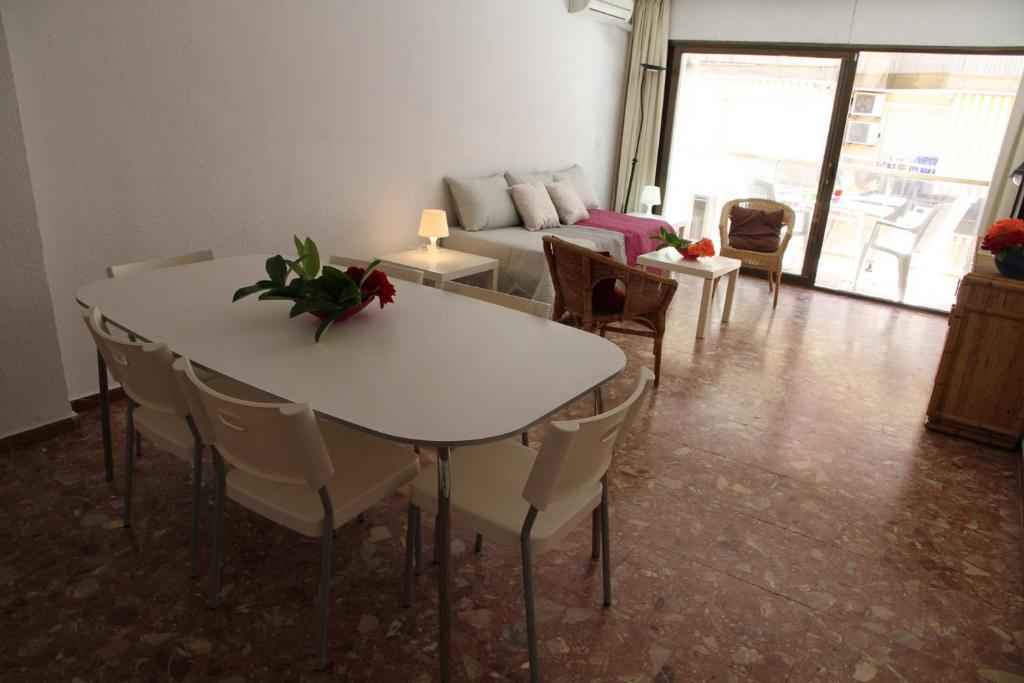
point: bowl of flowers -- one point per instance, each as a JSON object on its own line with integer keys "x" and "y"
{"x": 329, "y": 294}
{"x": 691, "y": 250}
{"x": 1005, "y": 239}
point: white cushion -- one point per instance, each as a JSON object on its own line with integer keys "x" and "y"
{"x": 487, "y": 496}
{"x": 567, "y": 202}
{"x": 535, "y": 207}
{"x": 542, "y": 177}
{"x": 578, "y": 177}
{"x": 483, "y": 203}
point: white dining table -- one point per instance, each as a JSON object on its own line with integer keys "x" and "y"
{"x": 434, "y": 368}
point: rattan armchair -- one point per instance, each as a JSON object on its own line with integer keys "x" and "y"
{"x": 575, "y": 271}
{"x": 771, "y": 262}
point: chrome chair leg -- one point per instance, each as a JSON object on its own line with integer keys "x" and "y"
{"x": 108, "y": 449}
{"x": 410, "y": 552}
{"x": 478, "y": 545}
{"x": 325, "y": 578}
{"x": 606, "y": 562}
{"x": 595, "y": 534}
{"x": 197, "y": 490}
{"x": 129, "y": 464}
{"x": 531, "y": 620}
{"x": 218, "y": 528}
{"x": 419, "y": 542}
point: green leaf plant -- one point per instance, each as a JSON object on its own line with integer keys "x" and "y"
{"x": 327, "y": 294}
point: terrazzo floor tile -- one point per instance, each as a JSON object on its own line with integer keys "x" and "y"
{"x": 779, "y": 514}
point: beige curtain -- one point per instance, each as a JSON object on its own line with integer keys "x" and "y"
{"x": 1002, "y": 191}
{"x": 648, "y": 45}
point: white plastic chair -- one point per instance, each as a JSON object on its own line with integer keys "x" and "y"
{"x": 308, "y": 475}
{"x": 156, "y": 408}
{"x": 533, "y": 499}
{"x": 101, "y": 367}
{"x": 517, "y": 303}
{"x": 407, "y": 274}
{"x": 903, "y": 241}
{"x": 123, "y": 269}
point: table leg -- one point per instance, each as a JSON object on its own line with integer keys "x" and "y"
{"x": 443, "y": 533}
{"x": 494, "y": 278}
{"x": 108, "y": 453}
{"x": 705, "y": 310}
{"x": 730, "y": 289}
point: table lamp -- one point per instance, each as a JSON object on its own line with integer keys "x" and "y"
{"x": 650, "y": 196}
{"x": 433, "y": 224}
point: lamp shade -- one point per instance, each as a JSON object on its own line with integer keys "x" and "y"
{"x": 650, "y": 195}
{"x": 433, "y": 223}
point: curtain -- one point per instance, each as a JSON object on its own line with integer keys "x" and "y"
{"x": 1002, "y": 191}
{"x": 648, "y": 45}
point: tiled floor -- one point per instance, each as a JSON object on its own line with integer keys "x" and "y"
{"x": 779, "y": 514}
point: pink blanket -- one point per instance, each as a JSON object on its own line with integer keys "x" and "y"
{"x": 640, "y": 234}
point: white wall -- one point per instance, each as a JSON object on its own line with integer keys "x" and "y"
{"x": 161, "y": 127}
{"x": 962, "y": 23}
{"x": 32, "y": 389}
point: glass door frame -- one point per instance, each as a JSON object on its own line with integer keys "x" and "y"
{"x": 833, "y": 141}
{"x": 848, "y": 54}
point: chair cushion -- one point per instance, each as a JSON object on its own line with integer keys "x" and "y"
{"x": 367, "y": 469}
{"x": 534, "y": 206}
{"x": 487, "y": 488}
{"x": 567, "y": 202}
{"x": 754, "y": 229}
{"x": 483, "y": 203}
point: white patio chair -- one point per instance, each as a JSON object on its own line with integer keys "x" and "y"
{"x": 533, "y": 499}
{"x": 123, "y": 269}
{"x": 407, "y": 274}
{"x": 517, "y": 303}
{"x": 308, "y": 475}
{"x": 904, "y": 241}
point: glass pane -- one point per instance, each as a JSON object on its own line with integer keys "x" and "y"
{"x": 748, "y": 126}
{"x": 920, "y": 145}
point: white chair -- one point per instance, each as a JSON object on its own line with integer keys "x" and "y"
{"x": 533, "y": 499}
{"x": 123, "y": 269}
{"x": 407, "y": 274}
{"x": 903, "y": 241}
{"x": 308, "y": 475}
{"x": 101, "y": 367}
{"x": 517, "y": 303}
{"x": 156, "y": 408}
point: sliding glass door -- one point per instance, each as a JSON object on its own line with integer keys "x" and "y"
{"x": 919, "y": 147}
{"x": 884, "y": 157}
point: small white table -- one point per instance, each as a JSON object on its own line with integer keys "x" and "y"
{"x": 710, "y": 268}
{"x": 441, "y": 265}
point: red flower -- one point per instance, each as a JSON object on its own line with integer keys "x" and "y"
{"x": 705, "y": 247}
{"x": 377, "y": 283}
{"x": 1004, "y": 234}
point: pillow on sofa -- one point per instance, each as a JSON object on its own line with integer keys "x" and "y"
{"x": 483, "y": 203}
{"x": 578, "y": 178}
{"x": 754, "y": 229}
{"x": 542, "y": 177}
{"x": 534, "y": 205}
{"x": 567, "y": 203}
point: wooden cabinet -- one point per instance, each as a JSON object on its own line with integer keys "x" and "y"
{"x": 979, "y": 387}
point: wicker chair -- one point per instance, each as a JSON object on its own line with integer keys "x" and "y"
{"x": 575, "y": 271}
{"x": 771, "y": 262}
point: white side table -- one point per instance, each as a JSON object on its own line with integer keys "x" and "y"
{"x": 710, "y": 268}
{"x": 441, "y": 265}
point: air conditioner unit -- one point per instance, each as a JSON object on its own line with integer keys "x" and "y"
{"x": 616, "y": 12}
{"x": 862, "y": 133}
{"x": 867, "y": 104}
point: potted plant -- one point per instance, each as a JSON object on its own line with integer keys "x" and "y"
{"x": 688, "y": 249}
{"x": 1005, "y": 239}
{"x": 331, "y": 295}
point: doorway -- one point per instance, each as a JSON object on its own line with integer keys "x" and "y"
{"x": 885, "y": 157}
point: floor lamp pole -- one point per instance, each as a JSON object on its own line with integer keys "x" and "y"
{"x": 644, "y": 68}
